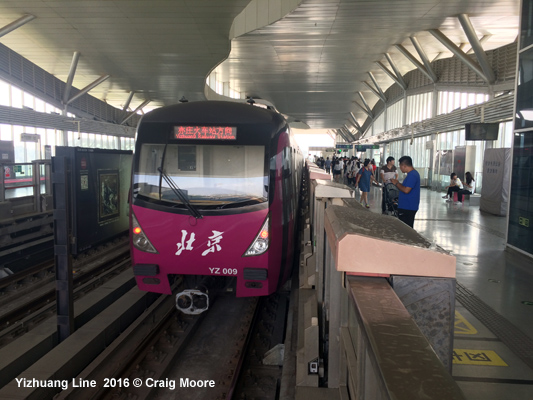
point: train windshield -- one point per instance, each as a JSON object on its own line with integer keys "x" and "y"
{"x": 207, "y": 176}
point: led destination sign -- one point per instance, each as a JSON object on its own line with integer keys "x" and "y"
{"x": 205, "y": 132}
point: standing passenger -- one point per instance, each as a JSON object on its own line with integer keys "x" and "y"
{"x": 337, "y": 169}
{"x": 364, "y": 176}
{"x": 374, "y": 167}
{"x": 409, "y": 199}
{"x": 328, "y": 165}
{"x": 387, "y": 172}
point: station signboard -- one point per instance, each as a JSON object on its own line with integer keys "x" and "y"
{"x": 365, "y": 147}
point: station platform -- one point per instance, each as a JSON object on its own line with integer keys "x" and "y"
{"x": 493, "y": 339}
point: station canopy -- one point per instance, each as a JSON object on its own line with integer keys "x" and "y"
{"x": 312, "y": 59}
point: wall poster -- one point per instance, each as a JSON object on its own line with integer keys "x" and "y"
{"x": 109, "y": 195}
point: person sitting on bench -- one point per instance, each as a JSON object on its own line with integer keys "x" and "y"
{"x": 469, "y": 187}
{"x": 454, "y": 186}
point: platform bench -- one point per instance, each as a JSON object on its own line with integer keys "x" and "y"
{"x": 474, "y": 199}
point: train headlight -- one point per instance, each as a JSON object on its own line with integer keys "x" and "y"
{"x": 261, "y": 241}
{"x": 139, "y": 239}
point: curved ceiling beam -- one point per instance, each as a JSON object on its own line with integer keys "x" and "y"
{"x": 482, "y": 40}
{"x": 424, "y": 58}
{"x": 396, "y": 70}
{"x": 364, "y": 102}
{"x": 90, "y": 86}
{"x": 354, "y": 120}
{"x": 378, "y": 95}
{"x": 369, "y": 113}
{"x": 348, "y": 133}
{"x": 477, "y": 47}
{"x": 391, "y": 75}
{"x": 70, "y": 78}
{"x": 441, "y": 37}
{"x": 416, "y": 63}
{"x": 127, "y": 104}
{"x": 139, "y": 107}
{"x": 16, "y": 24}
{"x": 376, "y": 84}
{"x": 342, "y": 134}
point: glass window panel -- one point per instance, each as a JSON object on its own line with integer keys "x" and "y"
{"x": 4, "y": 94}
{"x": 463, "y": 100}
{"x": 524, "y": 95}
{"x": 6, "y": 132}
{"x": 509, "y": 134}
{"x": 51, "y": 137}
{"x": 39, "y": 105}
{"x": 16, "y": 97}
{"x": 521, "y": 196}
{"x": 76, "y": 139}
{"x": 395, "y": 114}
{"x": 29, "y": 101}
{"x": 379, "y": 124}
{"x": 449, "y": 106}
{"x": 48, "y": 108}
{"x": 526, "y": 34}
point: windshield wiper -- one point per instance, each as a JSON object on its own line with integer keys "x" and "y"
{"x": 178, "y": 192}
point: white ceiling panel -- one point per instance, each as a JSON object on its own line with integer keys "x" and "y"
{"x": 310, "y": 64}
{"x": 322, "y": 51}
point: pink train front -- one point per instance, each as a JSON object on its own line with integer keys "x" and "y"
{"x": 215, "y": 191}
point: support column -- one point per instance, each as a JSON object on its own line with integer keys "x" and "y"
{"x": 63, "y": 260}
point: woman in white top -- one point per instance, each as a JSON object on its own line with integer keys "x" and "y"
{"x": 469, "y": 187}
{"x": 454, "y": 186}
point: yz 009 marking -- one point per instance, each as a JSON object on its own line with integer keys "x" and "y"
{"x": 223, "y": 271}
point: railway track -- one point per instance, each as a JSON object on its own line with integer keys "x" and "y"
{"x": 29, "y": 296}
{"x": 22, "y": 282}
{"x": 179, "y": 356}
{"x": 216, "y": 355}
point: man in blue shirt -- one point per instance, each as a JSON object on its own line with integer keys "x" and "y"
{"x": 409, "y": 198}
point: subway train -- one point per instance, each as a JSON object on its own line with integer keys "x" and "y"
{"x": 214, "y": 198}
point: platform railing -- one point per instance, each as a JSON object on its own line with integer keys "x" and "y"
{"x": 362, "y": 335}
{"x": 25, "y": 188}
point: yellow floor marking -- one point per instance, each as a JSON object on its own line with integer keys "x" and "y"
{"x": 477, "y": 357}
{"x": 462, "y": 326}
